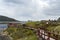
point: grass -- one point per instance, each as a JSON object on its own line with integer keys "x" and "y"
{"x": 32, "y": 37}
{"x": 57, "y": 28}
{"x": 51, "y": 28}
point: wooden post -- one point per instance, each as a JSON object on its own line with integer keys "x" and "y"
{"x": 38, "y": 34}
{"x": 56, "y": 37}
{"x": 44, "y": 33}
{"x": 48, "y": 36}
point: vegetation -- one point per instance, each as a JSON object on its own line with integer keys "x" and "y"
{"x": 21, "y": 33}
{"x": 33, "y": 24}
{"x": 51, "y": 25}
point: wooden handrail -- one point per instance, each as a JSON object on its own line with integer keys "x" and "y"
{"x": 50, "y": 35}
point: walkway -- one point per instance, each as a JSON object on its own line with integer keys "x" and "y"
{"x": 44, "y": 35}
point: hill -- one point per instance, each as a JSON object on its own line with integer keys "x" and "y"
{"x": 4, "y": 18}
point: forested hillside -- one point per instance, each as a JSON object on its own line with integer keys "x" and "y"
{"x": 4, "y": 18}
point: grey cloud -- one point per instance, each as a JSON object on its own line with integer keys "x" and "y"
{"x": 28, "y": 9}
{"x": 54, "y": 9}
{"x": 13, "y": 1}
{"x": 18, "y": 2}
{"x": 25, "y": 10}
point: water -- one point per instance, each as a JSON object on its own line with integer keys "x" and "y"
{"x": 3, "y": 27}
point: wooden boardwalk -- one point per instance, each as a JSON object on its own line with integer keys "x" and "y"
{"x": 44, "y": 34}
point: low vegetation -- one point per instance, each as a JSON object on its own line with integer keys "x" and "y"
{"x": 21, "y": 33}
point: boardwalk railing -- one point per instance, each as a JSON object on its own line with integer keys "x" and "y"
{"x": 46, "y": 35}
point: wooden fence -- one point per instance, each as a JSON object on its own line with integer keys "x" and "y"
{"x": 47, "y": 35}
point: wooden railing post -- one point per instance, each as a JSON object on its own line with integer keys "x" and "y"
{"x": 49, "y": 34}
{"x": 38, "y": 33}
{"x": 44, "y": 33}
{"x": 56, "y": 37}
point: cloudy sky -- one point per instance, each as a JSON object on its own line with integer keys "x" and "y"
{"x": 24, "y": 10}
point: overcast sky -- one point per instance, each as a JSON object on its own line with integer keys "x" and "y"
{"x": 24, "y": 10}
